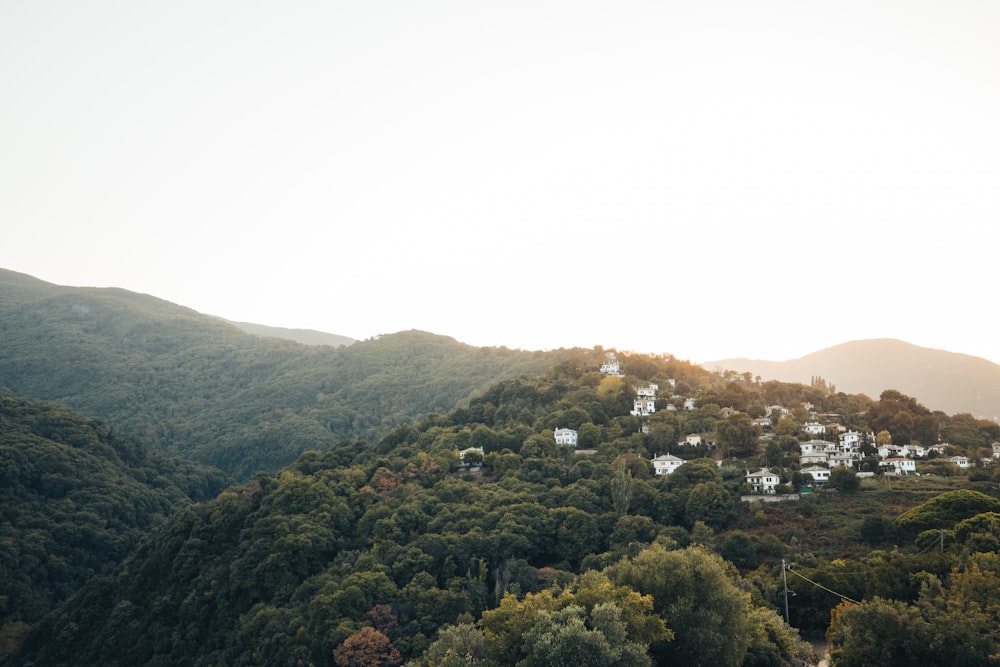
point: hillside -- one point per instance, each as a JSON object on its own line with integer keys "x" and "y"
{"x": 395, "y": 552}
{"x": 304, "y": 336}
{"x": 196, "y": 386}
{"x": 74, "y": 500}
{"x": 945, "y": 381}
{"x": 396, "y": 538}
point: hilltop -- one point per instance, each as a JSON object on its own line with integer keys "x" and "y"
{"x": 944, "y": 381}
{"x": 193, "y": 385}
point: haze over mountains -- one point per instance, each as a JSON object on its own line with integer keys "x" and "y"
{"x": 941, "y": 380}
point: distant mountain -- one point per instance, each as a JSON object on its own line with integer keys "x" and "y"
{"x": 194, "y": 385}
{"x": 946, "y": 381}
{"x": 304, "y": 336}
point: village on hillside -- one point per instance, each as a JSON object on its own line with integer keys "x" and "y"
{"x": 824, "y": 446}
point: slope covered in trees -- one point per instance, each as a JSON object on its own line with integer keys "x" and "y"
{"x": 396, "y": 552}
{"x": 196, "y": 386}
{"x": 74, "y": 500}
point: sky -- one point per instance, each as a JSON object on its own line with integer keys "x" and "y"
{"x": 704, "y": 179}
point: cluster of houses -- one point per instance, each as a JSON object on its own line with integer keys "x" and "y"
{"x": 817, "y": 455}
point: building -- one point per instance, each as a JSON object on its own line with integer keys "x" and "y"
{"x": 611, "y": 367}
{"x": 819, "y": 474}
{"x": 900, "y": 466}
{"x": 828, "y": 453}
{"x": 664, "y": 464}
{"x": 816, "y": 451}
{"x": 960, "y": 461}
{"x": 850, "y": 441}
{"x": 566, "y": 436}
{"x": 645, "y": 401}
{"x": 763, "y": 481}
{"x": 814, "y": 428}
{"x": 471, "y": 457}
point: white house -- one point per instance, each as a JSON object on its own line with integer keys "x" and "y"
{"x": 689, "y": 404}
{"x": 819, "y": 475}
{"x": 843, "y": 459}
{"x": 900, "y": 466}
{"x": 814, "y": 428}
{"x": 960, "y": 461}
{"x": 645, "y": 400}
{"x": 471, "y": 458}
{"x": 763, "y": 481}
{"x": 471, "y": 450}
{"x": 566, "y": 436}
{"x": 611, "y": 367}
{"x": 816, "y": 451}
{"x": 693, "y": 440}
{"x": 664, "y": 464}
{"x": 886, "y": 451}
{"x": 996, "y": 450}
{"x": 851, "y": 440}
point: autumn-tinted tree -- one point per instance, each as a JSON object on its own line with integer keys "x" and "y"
{"x": 367, "y": 648}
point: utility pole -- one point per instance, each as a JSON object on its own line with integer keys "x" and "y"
{"x": 784, "y": 584}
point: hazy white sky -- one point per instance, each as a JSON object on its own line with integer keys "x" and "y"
{"x": 707, "y": 179}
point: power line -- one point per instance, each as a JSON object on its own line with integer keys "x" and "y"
{"x": 817, "y": 585}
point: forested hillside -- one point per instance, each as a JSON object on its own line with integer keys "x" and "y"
{"x": 395, "y": 551}
{"x": 74, "y": 500}
{"x": 195, "y": 386}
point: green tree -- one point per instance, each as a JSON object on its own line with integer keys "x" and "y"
{"x": 710, "y": 502}
{"x": 694, "y": 472}
{"x": 786, "y": 426}
{"x": 699, "y": 596}
{"x": 877, "y": 633}
{"x": 844, "y": 480}
{"x": 621, "y": 487}
{"x": 562, "y": 639}
{"x": 946, "y": 510}
{"x": 738, "y": 436}
{"x": 774, "y": 643}
{"x": 456, "y": 646}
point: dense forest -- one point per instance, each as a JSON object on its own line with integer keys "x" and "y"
{"x": 74, "y": 500}
{"x": 195, "y": 386}
{"x": 396, "y": 551}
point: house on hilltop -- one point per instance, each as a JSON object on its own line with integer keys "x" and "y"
{"x": 611, "y": 366}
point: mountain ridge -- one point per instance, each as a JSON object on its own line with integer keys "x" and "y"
{"x": 950, "y": 382}
{"x": 195, "y": 385}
